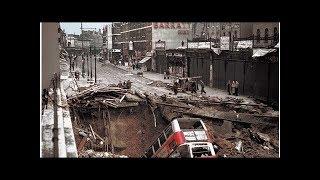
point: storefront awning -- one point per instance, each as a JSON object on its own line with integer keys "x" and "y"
{"x": 261, "y": 52}
{"x": 144, "y": 60}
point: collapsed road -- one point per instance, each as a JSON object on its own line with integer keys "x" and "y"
{"x": 110, "y": 121}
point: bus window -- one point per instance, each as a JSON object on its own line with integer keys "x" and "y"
{"x": 162, "y": 139}
{"x": 156, "y": 146}
{"x": 168, "y": 131}
{"x": 201, "y": 151}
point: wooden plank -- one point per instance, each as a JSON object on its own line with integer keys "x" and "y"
{"x": 122, "y": 98}
{"x": 94, "y": 136}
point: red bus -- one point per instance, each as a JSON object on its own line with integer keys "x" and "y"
{"x": 182, "y": 138}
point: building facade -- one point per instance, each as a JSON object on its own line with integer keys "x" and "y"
{"x": 265, "y": 34}
{"x": 136, "y": 39}
{"x": 50, "y": 35}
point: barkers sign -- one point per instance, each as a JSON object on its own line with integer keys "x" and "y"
{"x": 170, "y": 25}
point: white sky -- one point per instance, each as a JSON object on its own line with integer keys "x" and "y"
{"x": 74, "y": 27}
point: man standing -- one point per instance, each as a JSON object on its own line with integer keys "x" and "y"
{"x": 175, "y": 87}
{"x": 233, "y": 88}
{"x": 236, "y": 88}
{"x": 193, "y": 87}
{"x": 229, "y": 87}
{"x": 202, "y": 87}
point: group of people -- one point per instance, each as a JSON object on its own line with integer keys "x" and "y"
{"x": 188, "y": 85}
{"x": 233, "y": 88}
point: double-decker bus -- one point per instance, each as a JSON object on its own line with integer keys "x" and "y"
{"x": 182, "y": 138}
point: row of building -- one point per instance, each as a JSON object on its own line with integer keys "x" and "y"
{"x": 86, "y": 40}
{"x": 130, "y": 41}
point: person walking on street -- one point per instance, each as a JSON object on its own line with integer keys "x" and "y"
{"x": 236, "y": 88}
{"x": 175, "y": 87}
{"x": 193, "y": 87}
{"x": 233, "y": 87}
{"x": 229, "y": 87}
{"x": 202, "y": 87}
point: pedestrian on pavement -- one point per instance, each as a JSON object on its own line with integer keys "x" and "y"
{"x": 229, "y": 87}
{"x": 77, "y": 75}
{"x": 72, "y": 65}
{"x": 45, "y": 97}
{"x": 236, "y": 88}
{"x": 233, "y": 87}
{"x": 193, "y": 87}
{"x": 175, "y": 87}
{"x": 202, "y": 87}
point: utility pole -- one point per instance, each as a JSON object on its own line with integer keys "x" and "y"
{"x": 88, "y": 64}
{"x": 83, "y": 71}
{"x": 95, "y": 68}
{"x": 91, "y": 66}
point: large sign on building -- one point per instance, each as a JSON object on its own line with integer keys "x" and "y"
{"x": 200, "y": 45}
{"x": 171, "y": 25}
{"x": 224, "y": 43}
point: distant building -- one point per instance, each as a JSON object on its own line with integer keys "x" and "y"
{"x": 94, "y": 37}
{"x": 214, "y": 30}
{"x": 138, "y": 38}
{"x": 71, "y": 40}
{"x": 265, "y": 34}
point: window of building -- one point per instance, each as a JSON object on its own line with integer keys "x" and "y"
{"x": 235, "y": 34}
{"x": 266, "y": 35}
{"x": 224, "y": 34}
{"x": 258, "y": 35}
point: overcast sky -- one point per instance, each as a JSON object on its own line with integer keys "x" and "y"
{"x": 74, "y": 27}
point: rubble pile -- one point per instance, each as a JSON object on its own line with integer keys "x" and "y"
{"x": 132, "y": 120}
{"x": 114, "y": 97}
{"x": 127, "y": 127}
{"x": 254, "y": 126}
{"x": 157, "y": 84}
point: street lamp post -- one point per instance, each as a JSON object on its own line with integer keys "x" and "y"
{"x": 70, "y": 65}
{"x": 88, "y": 64}
{"x": 83, "y": 71}
{"x": 95, "y": 69}
{"x": 91, "y": 67}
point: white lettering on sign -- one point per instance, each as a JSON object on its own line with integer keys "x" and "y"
{"x": 171, "y": 25}
{"x": 244, "y": 44}
{"x": 200, "y": 45}
{"x": 224, "y": 42}
{"x": 178, "y": 54}
{"x": 116, "y": 50}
